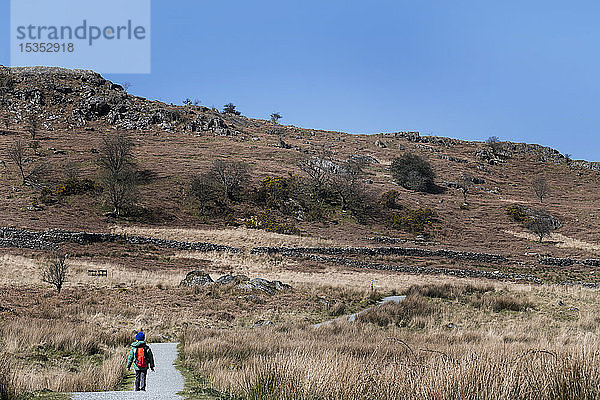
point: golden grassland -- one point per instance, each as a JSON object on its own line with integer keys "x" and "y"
{"x": 470, "y": 346}
{"x": 451, "y": 338}
{"x": 236, "y": 237}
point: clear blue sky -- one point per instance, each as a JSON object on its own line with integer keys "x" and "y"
{"x": 520, "y": 70}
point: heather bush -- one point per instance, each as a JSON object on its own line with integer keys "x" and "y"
{"x": 413, "y": 172}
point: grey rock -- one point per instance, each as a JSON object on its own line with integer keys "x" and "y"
{"x": 196, "y": 278}
{"x": 263, "y": 285}
{"x": 229, "y": 279}
{"x": 364, "y": 159}
{"x": 380, "y": 143}
{"x": 261, "y": 323}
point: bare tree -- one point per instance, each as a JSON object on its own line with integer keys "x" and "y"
{"x": 541, "y": 226}
{"x": 541, "y": 188}
{"x": 126, "y": 86}
{"x": 319, "y": 170}
{"x": 55, "y": 271}
{"x": 231, "y": 177}
{"x": 33, "y": 125}
{"x": 118, "y": 172}
{"x": 275, "y": 117}
{"x": 465, "y": 184}
{"x": 6, "y": 122}
{"x": 350, "y": 189}
{"x": 16, "y": 153}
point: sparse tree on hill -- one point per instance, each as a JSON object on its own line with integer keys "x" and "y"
{"x": 187, "y": 102}
{"x": 16, "y": 154}
{"x": 229, "y": 108}
{"x": 55, "y": 271}
{"x": 33, "y": 125}
{"x": 465, "y": 184}
{"x": 118, "y": 172}
{"x": 540, "y": 226}
{"x": 568, "y": 159}
{"x": 349, "y": 187}
{"x": 6, "y": 122}
{"x": 275, "y": 117}
{"x": 541, "y": 188}
{"x": 319, "y": 171}
{"x": 126, "y": 86}
{"x": 231, "y": 177}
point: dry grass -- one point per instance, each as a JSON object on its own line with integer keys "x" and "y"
{"x": 62, "y": 356}
{"x": 23, "y": 271}
{"x": 560, "y": 241}
{"x": 544, "y": 353}
{"x": 236, "y": 237}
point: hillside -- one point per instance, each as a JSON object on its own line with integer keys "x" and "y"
{"x": 75, "y": 109}
{"x": 278, "y": 287}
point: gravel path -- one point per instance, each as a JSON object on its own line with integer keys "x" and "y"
{"x": 162, "y": 384}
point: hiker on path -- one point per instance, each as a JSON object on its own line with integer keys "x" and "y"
{"x": 141, "y": 357}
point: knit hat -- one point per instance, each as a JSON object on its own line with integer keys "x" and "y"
{"x": 140, "y": 336}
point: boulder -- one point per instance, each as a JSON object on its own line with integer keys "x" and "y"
{"x": 364, "y": 159}
{"x": 380, "y": 143}
{"x": 228, "y": 279}
{"x": 263, "y": 285}
{"x": 196, "y": 278}
{"x": 261, "y": 323}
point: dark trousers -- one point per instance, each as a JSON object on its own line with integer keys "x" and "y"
{"x": 140, "y": 379}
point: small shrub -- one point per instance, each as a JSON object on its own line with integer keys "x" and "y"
{"x": 73, "y": 186}
{"x": 389, "y": 199}
{"x": 413, "y": 172}
{"x": 413, "y": 221}
{"x": 503, "y": 302}
{"x": 268, "y": 224}
{"x": 517, "y": 213}
{"x": 337, "y": 309}
{"x": 400, "y": 314}
{"x": 275, "y": 192}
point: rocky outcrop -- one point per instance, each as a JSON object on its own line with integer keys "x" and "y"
{"x": 453, "y": 159}
{"x": 364, "y": 159}
{"x": 417, "y": 138}
{"x": 263, "y": 285}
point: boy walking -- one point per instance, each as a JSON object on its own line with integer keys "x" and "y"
{"x": 141, "y": 357}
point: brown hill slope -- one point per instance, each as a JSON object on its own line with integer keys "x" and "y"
{"x": 173, "y": 143}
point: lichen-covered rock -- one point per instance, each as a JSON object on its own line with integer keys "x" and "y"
{"x": 232, "y": 279}
{"x": 263, "y": 285}
{"x": 196, "y": 278}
